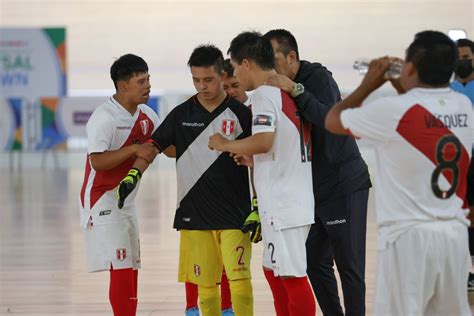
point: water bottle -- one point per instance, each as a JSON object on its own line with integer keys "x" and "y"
{"x": 362, "y": 66}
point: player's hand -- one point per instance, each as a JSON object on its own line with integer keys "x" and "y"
{"x": 127, "y": 185}
{"x": 281, "y": 81}
{"x": 147, "y": 151}
{"x": 252, "y": 223}
{"x": 217, "y": 142}
{"x": 375, "y": 76}
{"x": 243, "y": 160}
{"x": 396, "y": 83}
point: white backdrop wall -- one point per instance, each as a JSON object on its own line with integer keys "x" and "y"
{"x": 165, "y": 32}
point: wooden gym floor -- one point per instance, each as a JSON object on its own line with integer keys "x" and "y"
{"x": 42, "y": 264}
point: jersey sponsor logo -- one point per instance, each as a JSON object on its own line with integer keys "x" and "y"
{"x": 121, "y": 254}
{"x": 186, "y": 219}
{"x": 121, "y": 128}
{"x": 144, "y": 124}
{"x": 228, "y": 127}
{"x": 106, "y": 212}
{"x": 197, "y": 270}
{"x": 264, "y": 120}
{"x": 336, "y": 222}
{"x": 194, "y": 124}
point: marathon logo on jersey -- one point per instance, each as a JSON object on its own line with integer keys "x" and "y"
{"x": 197, "y": 270}
{"x": 228, "y": 127}
{"x": 261, "y": 119}
{"x": 121, "y": 254}
{"x": 144, "y": 124}
{"x": 336, "y": 222}
{"x": 193, "y": 124}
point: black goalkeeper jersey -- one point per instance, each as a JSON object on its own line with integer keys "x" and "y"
{"x": 213, "y": 191}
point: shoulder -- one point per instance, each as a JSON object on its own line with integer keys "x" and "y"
{"x": 463, "y": 99}
{"x": 184, "y": 106}
{"x": 181, "y": 108}
{"x": 455, "y": 84}
{"x": 265, "y": 91}
{"x": 103, "y": 114}
{"x": 386, "y": 106}
{"x": 241, "y": 110}
{"x": 237, "y": 105}
{"x": 314, "y": 71}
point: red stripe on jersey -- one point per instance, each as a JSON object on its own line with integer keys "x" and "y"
{"x": 304, "y": 128}
{"x": 107, "y": 180}
{"x": 86, "y": 180}
{"x": 424, "y": 131}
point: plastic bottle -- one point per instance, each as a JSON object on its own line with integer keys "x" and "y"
{"x": 362, "y": 66}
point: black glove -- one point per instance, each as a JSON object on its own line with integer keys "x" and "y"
{"x": 252, "y": 223}
{"x": 127, "y": 185}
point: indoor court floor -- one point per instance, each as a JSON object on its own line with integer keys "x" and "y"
{"x": 42, "y": 262}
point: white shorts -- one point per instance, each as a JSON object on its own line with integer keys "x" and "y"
{"x": 284, "y": 250}
{"x": 424, "y": 272}
{"x": 113, "y": 244}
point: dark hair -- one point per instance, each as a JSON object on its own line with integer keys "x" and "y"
{"x": 464, "y": 42}
{"x": 126, "y": 67}
{"x": 228, "y": 68}
{"x": 207, "y": 56}
{"x": 286, "y": 41}
{"x": 434, "y": 56}
{"x": 253, "y": 46}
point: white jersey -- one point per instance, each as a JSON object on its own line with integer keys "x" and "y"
{"x": 423, "y": 146}
{"x": 283, "y": 175}
{"x": 112, "y": 127}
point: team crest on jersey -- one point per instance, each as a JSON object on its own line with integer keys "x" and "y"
{"x": 228, "y": 127}
{"x": 197, "y": 270}
{"x": 144, "y": 124}
{"x": 121, "y": 254}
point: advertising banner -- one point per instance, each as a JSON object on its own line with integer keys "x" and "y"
{"x": 32, "y": 69}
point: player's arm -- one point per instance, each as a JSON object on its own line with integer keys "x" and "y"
{"x": 110, "y": 159}
{"x": 256, "y": 144}
{"x": 160, "y": 140}
{"x": 170, "y": 151}
{"x": 320, "y": 94}
{"x": 128, "y": 184}
{"x": 374, "y": 78}
{"x": 142, "y": 164}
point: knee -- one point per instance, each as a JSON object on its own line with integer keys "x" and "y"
{"x": 241, "y": 291}
{"x": 209, "y": 295}
{"x": 242, "y": 286}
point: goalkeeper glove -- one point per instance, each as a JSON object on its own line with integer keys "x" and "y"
{"x": 252, "y": 223}
{"x": 127, "y": 185}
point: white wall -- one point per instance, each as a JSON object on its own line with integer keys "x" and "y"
{"x": 165, "y": 32}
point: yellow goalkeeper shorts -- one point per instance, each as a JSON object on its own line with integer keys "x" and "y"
{"x": 204, "y": 254}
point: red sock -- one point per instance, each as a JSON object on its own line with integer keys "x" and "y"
{"x": 135, "y": 289}
{"x": 300, "y": 297}
{"x": 225, "y": 292}
{"x": 122, "y": 292}
{"x": 280, "y": 298}
{"x": 191, "y": 295}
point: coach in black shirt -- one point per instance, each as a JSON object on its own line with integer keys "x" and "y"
{"x": 340, "y": 183}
